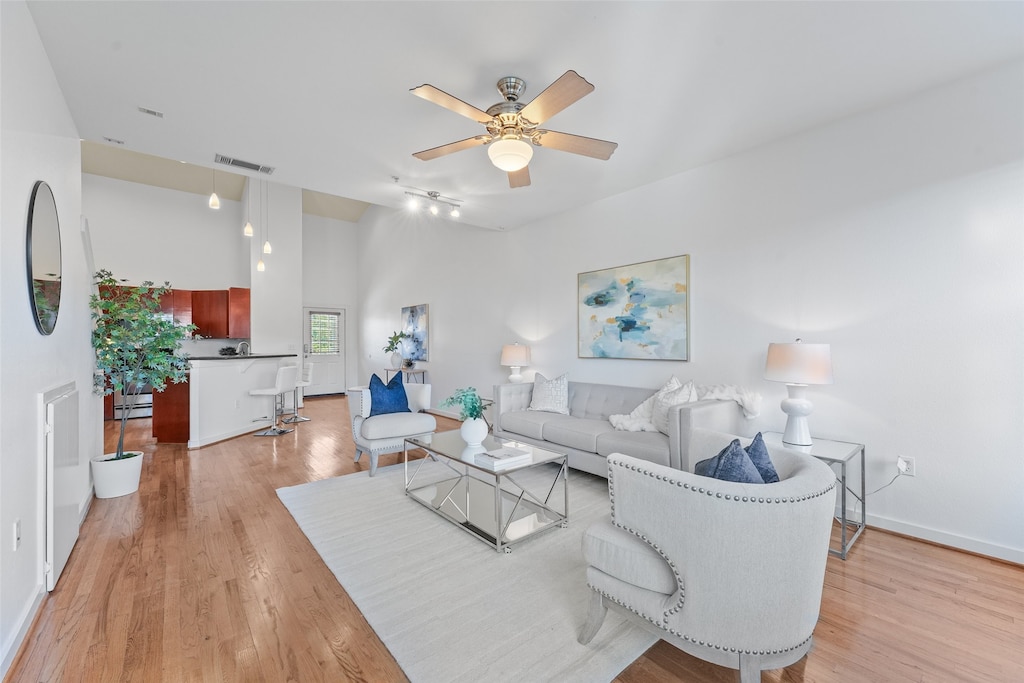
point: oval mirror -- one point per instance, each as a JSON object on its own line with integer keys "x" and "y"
{"x": 42, "y": 250}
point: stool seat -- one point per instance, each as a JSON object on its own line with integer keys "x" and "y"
{"x": 307, "y": 379}
{"x": 285, "y": 382}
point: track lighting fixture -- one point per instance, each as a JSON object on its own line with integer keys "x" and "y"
{"x": 434, "y": 201}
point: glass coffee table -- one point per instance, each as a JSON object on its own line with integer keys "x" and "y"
{"x": 500, "y": 507}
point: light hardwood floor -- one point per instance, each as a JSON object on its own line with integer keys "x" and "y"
{"x": 203, "y": 576}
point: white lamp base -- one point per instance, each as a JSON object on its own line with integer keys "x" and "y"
{"x": 515, "y": 377}
{"x": 797, "y": 407}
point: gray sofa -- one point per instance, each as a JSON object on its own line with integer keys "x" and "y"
{"x": 587, "y": 435}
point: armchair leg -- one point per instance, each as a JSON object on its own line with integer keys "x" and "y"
{"x": 595, "y": 617}
{"x": 373, "y": 464}
{"x": 359, "y": 454}
{"x": 750, "y": 669}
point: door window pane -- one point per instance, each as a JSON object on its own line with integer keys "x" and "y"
{"x": 323, "y": 334}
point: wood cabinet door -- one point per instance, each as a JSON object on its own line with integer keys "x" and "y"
{"x": 182, "y": 306}
{"x": 238, "y": 313}
{"x": 210, "y": 312}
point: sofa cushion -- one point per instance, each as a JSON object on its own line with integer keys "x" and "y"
{"x": 652, "y": 446}
{"x": 393, "y": 425}
{"x": 619, "y": 553}
{"x": 758, "y": 453}
{"x": 576, "y": 432}
{"x": 731, "y": 464}
{"x": 664, "y": 401}
{"x": 388, "y": 398}
{"x": 527, "y": 423}
{"x": 641, "y": 417}
{"x": 551, "y": 395}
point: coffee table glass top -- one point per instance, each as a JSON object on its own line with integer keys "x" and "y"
{"x": 451, "y": 445}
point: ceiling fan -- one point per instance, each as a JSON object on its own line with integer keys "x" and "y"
{"x": 512, "y": 127}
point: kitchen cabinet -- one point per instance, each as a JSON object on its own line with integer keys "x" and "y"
{"x": 171, "y": 413}
{"x": 210, "y": 312}
{"x": 178, "y": 304}
{"x": 238, "y": 313}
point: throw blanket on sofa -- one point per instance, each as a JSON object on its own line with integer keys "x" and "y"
{"x": 749, "y": 400}
{"x": 640, "y": 420}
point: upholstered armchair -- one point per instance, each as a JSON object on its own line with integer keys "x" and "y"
{"x": 382, "y": 434}
{"x": 730, "y": 573}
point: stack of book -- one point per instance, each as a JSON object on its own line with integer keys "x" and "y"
{"x": 503, "y": 458}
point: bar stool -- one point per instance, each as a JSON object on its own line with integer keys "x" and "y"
{"x": 307, "y": 379}
{"x": 285, "y": 382}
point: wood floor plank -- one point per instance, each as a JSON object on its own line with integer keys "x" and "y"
{"x": 203, "y": 575}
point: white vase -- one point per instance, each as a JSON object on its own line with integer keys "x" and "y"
{"x": 473, "y": 431}
{"x": 113, "y": 478}
{"x": 396, "y": 360}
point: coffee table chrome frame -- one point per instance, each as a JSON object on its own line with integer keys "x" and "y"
{"x": 524, "y": 497}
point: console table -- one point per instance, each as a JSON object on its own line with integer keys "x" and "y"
{"x": 409, "y": 374}
{"x": 835, "y": 453}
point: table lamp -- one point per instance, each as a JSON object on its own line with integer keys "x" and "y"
{"x": 514, "y": 356}
{"x": 798, "y": 365}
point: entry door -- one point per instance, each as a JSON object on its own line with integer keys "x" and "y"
{"x": 324, "y": 349}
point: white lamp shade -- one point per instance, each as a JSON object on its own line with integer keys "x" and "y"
{"x": 510, "y": 155}
{"x": 214, "y": 201}
{"x": 514, "y": 355}
{"x": 799, "y": 363}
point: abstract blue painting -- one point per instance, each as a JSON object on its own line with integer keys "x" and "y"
{"x": 414, "y": 324}
{"x": 639, "y": 311}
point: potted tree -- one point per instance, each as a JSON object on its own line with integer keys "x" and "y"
{"x": 135, "y": 345}
{"x": 471, "y": 411}
{"x": 393, "y": 347}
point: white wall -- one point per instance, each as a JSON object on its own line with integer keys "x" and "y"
{"x": 38, "y": 141}
{"x": 897, "y": 236}
{"x": 142, "y": 233}
{"x": 330, "y": 277}
{"x": 276, "y": 302}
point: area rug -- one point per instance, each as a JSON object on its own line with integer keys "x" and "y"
{"x": 448, "y": 607}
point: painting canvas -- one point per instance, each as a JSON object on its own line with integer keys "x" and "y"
{"x": 639, "y": 311}
{"x": 414, "y": 324}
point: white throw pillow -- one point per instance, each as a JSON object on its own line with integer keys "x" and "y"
{"x": 664, "y": 401}
{"x": 551, "y": 395}
{"x": 640, "y": 419}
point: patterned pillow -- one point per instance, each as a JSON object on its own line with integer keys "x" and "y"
{"x": 639, "y": 420}
{"x": 388, "y": 398}
{"x": 551, "y": 395}
{"x": 665, "y": 401}
{"x": 731, "y": 464}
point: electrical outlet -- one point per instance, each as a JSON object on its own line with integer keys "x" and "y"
{"x": 906, "y": 466}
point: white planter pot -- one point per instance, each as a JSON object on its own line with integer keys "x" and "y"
{"x": 473, "y": 431}
{"x": 396, "y": 360}
{"x": 113, "y": 478}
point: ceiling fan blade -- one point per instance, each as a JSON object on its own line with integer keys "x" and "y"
{"x": 576, "y": 144}
{"x": 440, "y": 97}
{"x": 569, "y": 87}
{"x": 520, "y": 178}
{"x": 452, "y": 147}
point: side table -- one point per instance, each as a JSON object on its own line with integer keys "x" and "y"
{"x": 409, "y": 374}
{"x": 834, "y": 453}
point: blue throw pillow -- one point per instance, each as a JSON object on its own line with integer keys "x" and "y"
{"x": 732, "y": 464}
{"x": 388, "y": 398}
{"x": 758, "y": 453}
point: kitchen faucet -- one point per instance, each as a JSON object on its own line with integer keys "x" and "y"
{"x": 239, "y": 351}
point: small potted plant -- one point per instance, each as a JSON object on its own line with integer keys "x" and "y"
{"x": 471, "y": 411}
{"x": 393, "y": 347}
{"x": 135, "y": 345}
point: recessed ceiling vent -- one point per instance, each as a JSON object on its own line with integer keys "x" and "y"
{"x": 152, "y": 112}
{"x": 248, "y": 165}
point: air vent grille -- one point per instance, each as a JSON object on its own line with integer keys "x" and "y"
{"x": 248, "y": 165}
{"x": 152, "y": 112}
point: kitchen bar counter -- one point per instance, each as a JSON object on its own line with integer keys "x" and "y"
{"x": 220, "y": 406}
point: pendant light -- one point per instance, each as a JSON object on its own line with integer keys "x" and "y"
{"x": 214, "y": 199}
{"x": 260, "y": 266}
{"x": 266, "y": 245}
{"x": 247, "y": 230}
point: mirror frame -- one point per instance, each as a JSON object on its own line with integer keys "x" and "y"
{"x": 45, "y": 322}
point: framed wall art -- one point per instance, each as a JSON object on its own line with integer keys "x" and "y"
{"x": 639, "y": 311}
{"x": 414, "y": 324}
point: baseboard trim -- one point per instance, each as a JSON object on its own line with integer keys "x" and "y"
{"x": 971, "y": 545}
{"x": 25, "y": 621}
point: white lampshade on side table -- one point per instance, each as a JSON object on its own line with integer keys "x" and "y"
{"x": 515, "y": 357}
{"x": 798, "y": 365}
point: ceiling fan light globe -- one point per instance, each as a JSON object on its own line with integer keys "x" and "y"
{"x": 510, "y": 155}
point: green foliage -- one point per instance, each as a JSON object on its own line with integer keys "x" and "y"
{"x": 135, "y": 343}
{"x": 394, "y": 341}
{"x": 468, "y": 401}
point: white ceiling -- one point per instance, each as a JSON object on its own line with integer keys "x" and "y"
{"x": 320, "y": 90}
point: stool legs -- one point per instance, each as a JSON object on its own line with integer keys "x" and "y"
{"x": 274, "y": 430}
{"x": 295, "y": 410}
